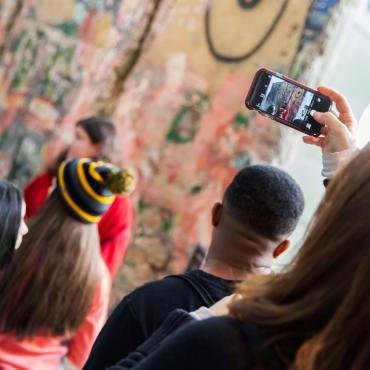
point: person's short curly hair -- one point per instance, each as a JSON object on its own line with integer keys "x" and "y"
{"x": 267, "y": 199}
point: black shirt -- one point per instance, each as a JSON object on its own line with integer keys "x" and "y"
{"x": 220, "y": 343}
{"x": 143, "y": 311}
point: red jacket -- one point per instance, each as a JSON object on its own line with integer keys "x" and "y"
{"x": 114, "y": 227}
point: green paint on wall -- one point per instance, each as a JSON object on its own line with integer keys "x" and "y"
{"x": 196, "y": 189}
{"x": 188, "y": 119}
{"x": 241, "y": 121}
{"x": 167, "y": 224}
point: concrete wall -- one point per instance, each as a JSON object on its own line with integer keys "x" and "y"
{"x": 173, "y": 75}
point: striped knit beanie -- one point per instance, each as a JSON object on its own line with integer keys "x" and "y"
{"x": 88, "y": 188}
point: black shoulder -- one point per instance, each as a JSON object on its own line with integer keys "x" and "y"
{"x": 223, "y": 337}
{"x": 167, "y": 291}
{"x": 213, "y": 344}
{"x": 157, "y": 288}
{"x": 217, "y": 327}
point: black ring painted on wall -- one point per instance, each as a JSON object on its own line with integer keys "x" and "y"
{"x": 238, "y": 59}
{"x": 245, "y": 4}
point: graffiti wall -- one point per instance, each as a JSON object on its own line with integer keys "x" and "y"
{"x": 173, "y": 75}
{"x": 57, "y": 58}
{"x": 187, "y": 94}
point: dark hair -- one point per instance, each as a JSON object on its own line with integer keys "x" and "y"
{"x": 267, "y": 199}
{"x": 322, "y": 299}
{"x": 102, "y": 131}
{"x": 10, "y": 220}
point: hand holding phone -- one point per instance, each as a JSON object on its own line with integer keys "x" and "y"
{"x": 341, "y": 126}
{"x": 287, "y": 101}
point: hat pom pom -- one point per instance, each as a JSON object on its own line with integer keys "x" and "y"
{"x": 122, "y": 182}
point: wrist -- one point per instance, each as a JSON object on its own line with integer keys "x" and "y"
{"x": 332, "y": 162}
{"x": 343, "y": 145}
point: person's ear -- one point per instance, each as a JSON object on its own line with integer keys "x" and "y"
{"x": 281, "y": 248}
{"x": 216, "y": 214}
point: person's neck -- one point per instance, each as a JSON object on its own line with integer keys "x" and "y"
{"x": 216, "y": 267}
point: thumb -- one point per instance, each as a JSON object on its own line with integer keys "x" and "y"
{"x": 328, "y": 119}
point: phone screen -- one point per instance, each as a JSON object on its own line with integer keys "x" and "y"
{"x": 289, "y": 102}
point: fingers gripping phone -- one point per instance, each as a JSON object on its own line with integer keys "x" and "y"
{"x": 287, "y": 101}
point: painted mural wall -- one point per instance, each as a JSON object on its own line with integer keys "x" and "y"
{"x": 58, "y": 59}
{"x": 173, "y": 75}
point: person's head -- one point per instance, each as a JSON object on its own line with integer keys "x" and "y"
{"x": 12, "y": 224}
{"x": 260, "y": 209}
{"x": 52, "y": 278}
{"x": 95, "y": 138}
{"x": 323, "y": 298}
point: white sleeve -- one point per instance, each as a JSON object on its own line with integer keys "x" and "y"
{"x": 202, "y": 313}
{"x": 332, "y": 162}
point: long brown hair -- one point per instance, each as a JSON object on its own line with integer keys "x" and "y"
{"x": 49, "y": 285}
{"x": 323, "y": 299}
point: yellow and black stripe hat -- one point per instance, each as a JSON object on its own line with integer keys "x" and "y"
{"x": 88, "y": 188}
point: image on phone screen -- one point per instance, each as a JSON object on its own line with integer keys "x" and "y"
{"x": 289, "y": 102}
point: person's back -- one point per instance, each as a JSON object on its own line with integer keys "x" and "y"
{"x": 142, "y": 312}
{"x": 314, "y": 314}
{"x": 114, "y": 228}
{"x": 55, "y": 292}
{"x": 58, "y": 263}
{"x": 45, "y": 351}
{"x": 261, "y": 207}
{"x": 215, "y": 344}
{"x": 96, "y": 138}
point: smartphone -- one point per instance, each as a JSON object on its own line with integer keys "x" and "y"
{"x": 287, "y": 101}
